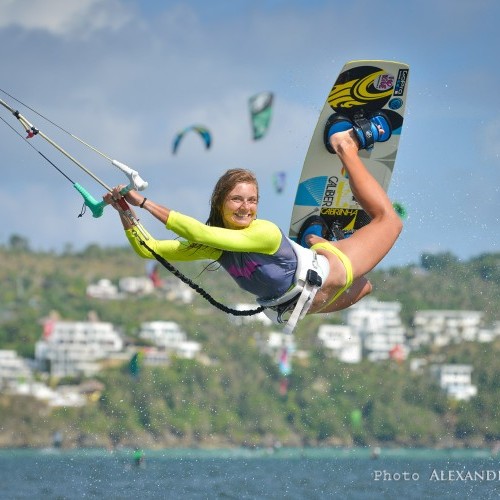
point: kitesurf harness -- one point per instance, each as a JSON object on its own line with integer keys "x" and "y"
{"x": 293, "y": 305}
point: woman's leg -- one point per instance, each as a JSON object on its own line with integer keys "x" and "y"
{"x": 360, "y": 288}
{"x": 368, "y": 245}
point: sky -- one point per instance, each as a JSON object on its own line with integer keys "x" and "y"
{"x": 127, "y": 75}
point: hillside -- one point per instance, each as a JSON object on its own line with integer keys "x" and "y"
{"x": 234, "y": 400}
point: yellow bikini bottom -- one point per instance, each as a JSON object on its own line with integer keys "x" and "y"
{"x": 346, "y": 263}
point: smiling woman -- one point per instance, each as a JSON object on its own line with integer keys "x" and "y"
{"x": 287, "y": 278}
{"x": 254, "y": 252}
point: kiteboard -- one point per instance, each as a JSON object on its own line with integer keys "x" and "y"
{"x": 362, "y": 87}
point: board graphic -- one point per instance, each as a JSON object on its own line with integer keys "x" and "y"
{"x": 361, "y": 88}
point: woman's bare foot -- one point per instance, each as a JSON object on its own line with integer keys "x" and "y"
{"x": 343, "y": 141}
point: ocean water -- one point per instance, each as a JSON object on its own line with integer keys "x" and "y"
{"x": 250, "y": 474}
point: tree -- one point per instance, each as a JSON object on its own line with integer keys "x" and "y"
{"x": 19, "y": 243}
{"x": 437, "y": 261}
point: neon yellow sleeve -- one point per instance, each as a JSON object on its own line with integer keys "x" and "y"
{"x": 260, "y": 236}
{"x": 177, "y": 250}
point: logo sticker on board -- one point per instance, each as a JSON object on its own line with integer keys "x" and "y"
{"x": 310, "y": 192}
{"x": 384, "y": 82}
{"x": 373, "y": 87}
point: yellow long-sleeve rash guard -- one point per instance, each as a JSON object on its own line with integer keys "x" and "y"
{"x": 258, "y": 257}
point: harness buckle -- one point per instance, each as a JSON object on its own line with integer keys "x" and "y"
{"x": 282, "y": 309}
{"x": 313, "y": 278}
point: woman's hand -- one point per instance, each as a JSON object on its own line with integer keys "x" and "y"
{"x": 135, "y": 199}
{"x": 132, "y": 197}
{"x": 111, "y": 200}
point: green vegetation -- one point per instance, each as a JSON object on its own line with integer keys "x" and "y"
{"x": 233, "y": 399}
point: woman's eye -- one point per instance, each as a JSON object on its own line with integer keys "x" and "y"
{"x": 238, "y": 199}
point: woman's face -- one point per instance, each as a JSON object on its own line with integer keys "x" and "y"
{"x": 240, "y": 206}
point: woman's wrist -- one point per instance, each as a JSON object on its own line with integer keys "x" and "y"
{"x": 142, "y": 202}
{"x": 126, "y": 222}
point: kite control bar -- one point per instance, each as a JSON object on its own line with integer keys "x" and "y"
{"x": 96, "y": 207}
{"x": 135, "y": 180}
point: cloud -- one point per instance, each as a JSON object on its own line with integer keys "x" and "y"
{"x": 64, "y": 18}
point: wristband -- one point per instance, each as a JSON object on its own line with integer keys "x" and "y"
{"x": 142, "y": 203}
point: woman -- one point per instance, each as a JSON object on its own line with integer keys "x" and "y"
{"x": 258, "y": 255}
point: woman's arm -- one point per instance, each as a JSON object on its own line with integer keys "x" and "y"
{"x": 158, "y": 211}
{"x": 260, "y": 236}
{"x": 169, "y": 249}
{"x": 178, "y": 250}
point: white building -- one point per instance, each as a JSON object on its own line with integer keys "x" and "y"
{"x": 166, "y": 334}
{"x": 61, "y": 396}
{"x": 341, "y": 341}
{"x": 136, "y": 285}
{"x": 169, "y": 336}
{"x": 13, "y": 369}
{"x": 441, "y": 328}
{"x": 103, "y": 289}
{"x": 379, "y": 327}
{"x": 155, "y": 357}
{"x": 486, "y": 335}
{"x": 188, "y": 349}
{"x": 73, "y": 348}
{"x": 455, "y": 380}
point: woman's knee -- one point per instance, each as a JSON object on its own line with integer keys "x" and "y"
{"x": 393, "y": 225}
{"x": 397, "y": 224}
